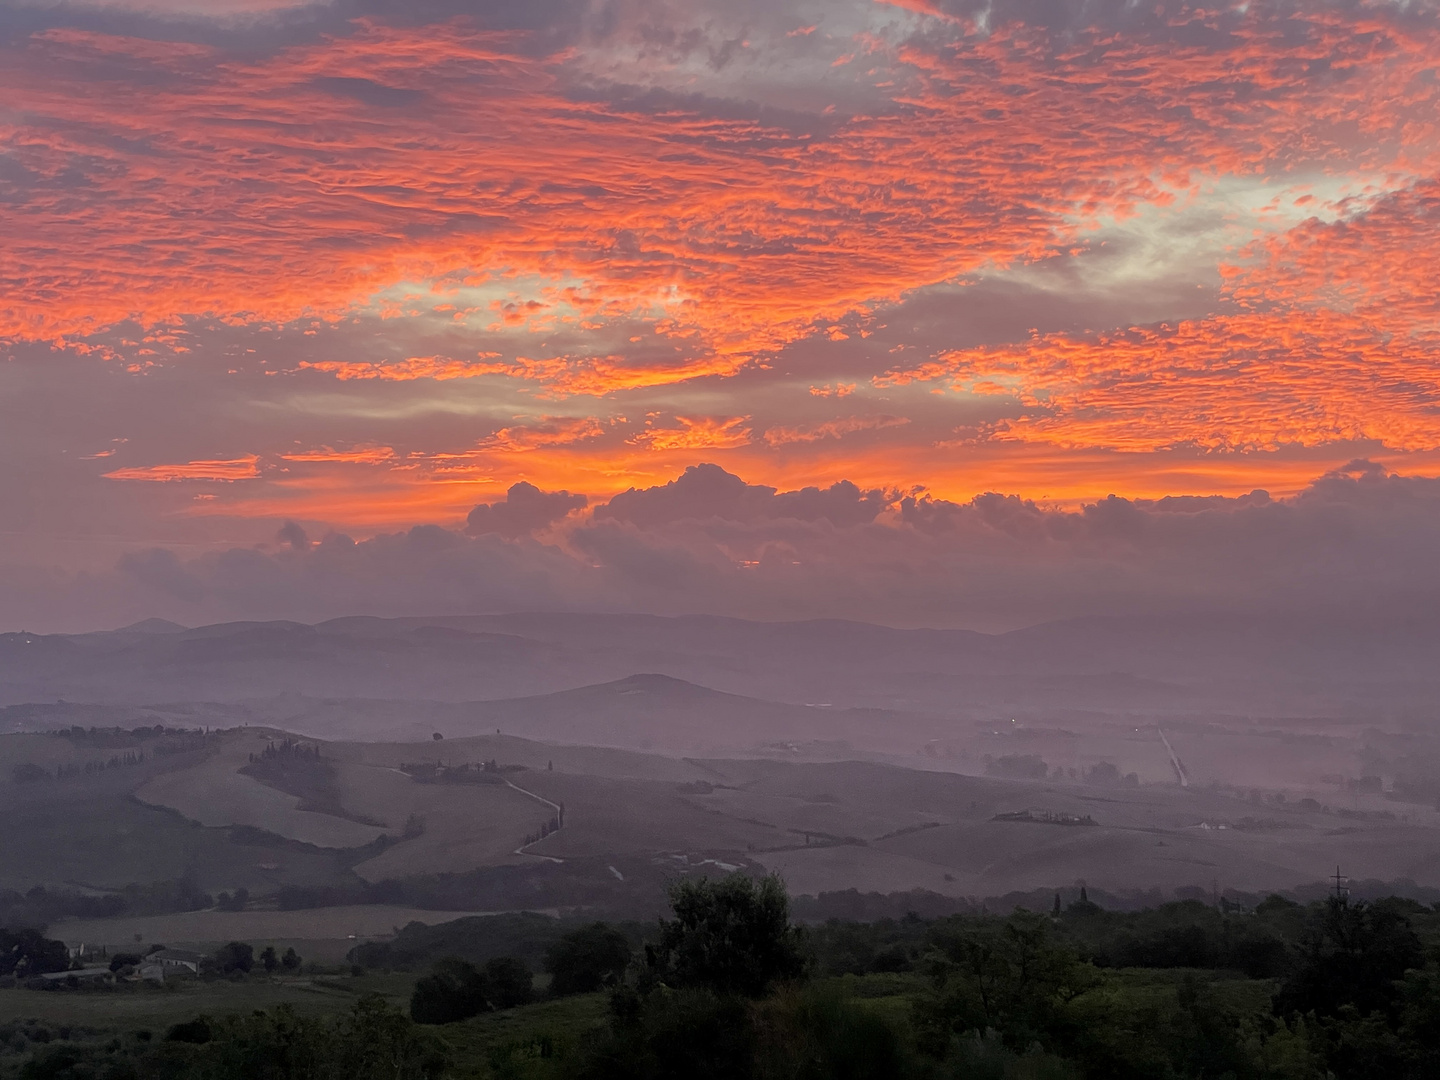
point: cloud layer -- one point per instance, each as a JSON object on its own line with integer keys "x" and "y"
{"x": 364, "y": 265}
{"x": 1357, "y": 541}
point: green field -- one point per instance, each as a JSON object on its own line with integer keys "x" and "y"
{"x": 155, "y": 1008}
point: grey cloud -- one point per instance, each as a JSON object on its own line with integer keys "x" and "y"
{"x": 367, "y": 91}
{"x": 1167, "y": 16}
{"x": 524, "y": 510}
{"x": 708, "y": 491}
{"x": 292, "y": 534}
{"x": 1355, "y": 543}
{"x": 160, "y": 569}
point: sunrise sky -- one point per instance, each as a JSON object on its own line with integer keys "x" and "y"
{"x": 279, "y": 285}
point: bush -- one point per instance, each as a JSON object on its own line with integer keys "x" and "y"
{"x": 192, "y": 1031}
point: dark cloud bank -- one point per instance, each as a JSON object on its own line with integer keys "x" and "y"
{"x": 1357, "y": 543}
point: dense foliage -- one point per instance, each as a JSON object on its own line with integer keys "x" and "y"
{"x": 372, "y": 1041}
{"x": 586, "y": 959}
{"x": 729, "y": 987}
{"x": 732, "y": 937}
{"x": 40, "y": 906}
{"x": 28, "y": 952}
{"x": 457, "y": 990}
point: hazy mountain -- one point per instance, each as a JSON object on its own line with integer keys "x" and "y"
{"x": 1187, "y": 664}
{"x": 645, "y": 712}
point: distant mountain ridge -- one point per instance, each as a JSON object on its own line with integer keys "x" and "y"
{"x": 655, "y": 713}
{"x": 1275, "y": 666}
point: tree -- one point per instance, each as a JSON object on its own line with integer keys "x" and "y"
{"x": 274, "y": 1044}
{"x": 508, "y": 983}
{"x": 29, "y": 952}
{"x": 291, "y": 960}
{"x": 1352, "y": 954}
{"x": 1018, "y": 767}
{"x": 376, "y": 1042}
{"x": 226, "y": 902}
{"x": 1007, "y": 975}
{"x": 691, "y": 1033}
{"x": 454, "y": 990}
{"x": 373, "y": 1041}
{"x": 584, "y": 960}
{"x": 732, "y": 936}
{"x": 124, "y": 960}
{"x": 236, "y": 956}
{"x": 268, "y": 960}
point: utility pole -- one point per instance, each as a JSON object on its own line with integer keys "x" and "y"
{"x": 1341, "y": 891}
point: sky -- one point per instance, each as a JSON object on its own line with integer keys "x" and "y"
{"x": 929, "y": 312}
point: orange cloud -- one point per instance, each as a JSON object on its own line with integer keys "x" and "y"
{"x": 360, "y": 455}
{"x": 564, "y": 376}
{"x": 697, "y": 433}
{"x": 550, "y": 431}
{"x": 650, "y": 240}
{"x": 831, "y": 429}
{"x": 241, "y": 468}
{"x": 728, "y": 236}
{"x": 920, "y": 7}
{"x": 1338, "y": 338}
{"x": 414, "y": 367}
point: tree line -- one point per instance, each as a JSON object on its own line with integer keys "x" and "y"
{"x": 730, "y": 987}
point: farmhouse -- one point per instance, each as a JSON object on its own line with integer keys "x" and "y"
{"x": 172, "y": 962}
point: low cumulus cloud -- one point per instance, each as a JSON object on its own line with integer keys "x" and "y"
{"x": 1354, "y": 540}
{"x": 524, "y": 510}
{"x": 708, "y": 492}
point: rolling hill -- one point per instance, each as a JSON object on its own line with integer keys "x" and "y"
{"x": 1174, "y": 665}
